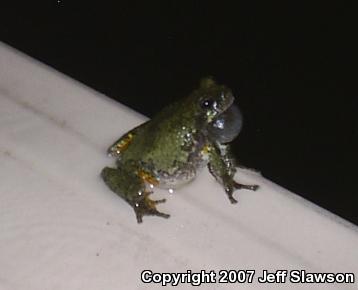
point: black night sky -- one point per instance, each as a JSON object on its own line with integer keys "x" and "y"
{"x": 291, "y": 67}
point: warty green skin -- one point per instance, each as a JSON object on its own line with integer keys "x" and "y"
{"x": 172, "y": 147}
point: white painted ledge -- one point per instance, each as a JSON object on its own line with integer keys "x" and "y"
{"x": 61, "y": 228}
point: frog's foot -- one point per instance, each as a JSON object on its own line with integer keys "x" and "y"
{"x": 229, "y": 189}
{"x": 147, "y": 206}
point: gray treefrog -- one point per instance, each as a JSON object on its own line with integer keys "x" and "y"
{"x": 170, "y": 149}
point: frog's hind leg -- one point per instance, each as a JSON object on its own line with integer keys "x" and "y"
{"x": 132, "y": 189}
{"x": 116, "y": 149}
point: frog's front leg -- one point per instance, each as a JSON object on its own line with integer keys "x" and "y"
{"x": 132, "y": 189}
{"x": 222, "y": 166}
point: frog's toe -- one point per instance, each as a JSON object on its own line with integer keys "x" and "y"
{"x": 252, "y": 187}
{"x": 229, "y": 191}
{"x": 232, "y": 200}
{"x": 139, "y": 217}
{"x": 161, "y": 214}
{"x": 159, "y": 201}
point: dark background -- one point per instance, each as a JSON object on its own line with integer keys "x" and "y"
{"x": 291, "y": 67}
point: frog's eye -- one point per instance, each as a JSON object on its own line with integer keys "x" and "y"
{"x": 207, "y": 103}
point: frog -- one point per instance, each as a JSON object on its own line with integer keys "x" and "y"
{"x": 172, "y": 148}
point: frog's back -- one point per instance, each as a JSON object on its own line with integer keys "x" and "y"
{"x": 169, "y": 148}
{"x": 162, "y": 143}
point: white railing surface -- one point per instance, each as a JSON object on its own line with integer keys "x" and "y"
{"x": 61, "y": 227}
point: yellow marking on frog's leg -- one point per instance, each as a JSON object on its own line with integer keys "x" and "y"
{"x": 147, "y": 177}
{"x": 121, "y": 145}
{"x": 206, "y": 149}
